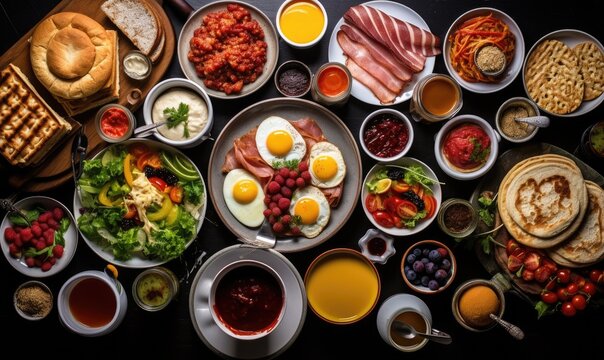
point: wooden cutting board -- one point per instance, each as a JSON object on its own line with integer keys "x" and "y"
{"x": 56, "y": 168}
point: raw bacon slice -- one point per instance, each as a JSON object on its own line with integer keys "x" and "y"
{"x": 378, "y": 52}
{"x": 384, "y": 95}
{"x": 359, "y": 54}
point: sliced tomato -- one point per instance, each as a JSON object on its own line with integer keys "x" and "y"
{"x": 400, "y": 186}
{"x": 159, "y": 183}
{"x": 398, "y": 222}
{"x": 429, "y": 205}
{"x": 176, "y": 194}
{"x": 131, "y": 213}
{"x": 150, "y": 158}
{"x": 138, "y": 149}
{"x": 374, "y": 203}
{"x": 392, "y": 203}
{"x": 383, "y": 219}
{"x": 406, "y": 209}
{"x": 420, "y": 192}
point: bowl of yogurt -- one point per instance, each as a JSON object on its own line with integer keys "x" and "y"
{"x": 185, "y": 110}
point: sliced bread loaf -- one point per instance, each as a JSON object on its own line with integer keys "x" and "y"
{"x": 136, "y": 20}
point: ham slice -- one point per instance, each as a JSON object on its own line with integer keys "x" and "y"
{"x": 361, "y": 56}
{"x": 409, "y": 43}
{"x": 380, "y": 53}
{"x": 384, "y": 95}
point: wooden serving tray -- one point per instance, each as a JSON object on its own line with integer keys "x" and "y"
{"x": 56, "y": 168}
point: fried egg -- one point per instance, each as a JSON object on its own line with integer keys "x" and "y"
{"x": 326, "y": 165}
{"x": 278, "y": 140}
{"x": 312, "y": 208}
{"x": 244, "y": 197}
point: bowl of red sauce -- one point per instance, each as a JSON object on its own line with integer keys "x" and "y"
{"x": 115, "y": 123}
{"x": 331, "y": 84}
{"x": 466, "y": 147}
{"x": 247, "y": 299}
{"x": 386, "y": 135}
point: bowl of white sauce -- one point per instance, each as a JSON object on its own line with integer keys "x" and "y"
{"x": 185, "y": 108}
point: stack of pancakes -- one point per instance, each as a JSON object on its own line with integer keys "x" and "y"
{"x": 545, "y": 203}
{"x": 77, "y": 60}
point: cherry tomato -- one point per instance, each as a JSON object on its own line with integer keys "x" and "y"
{"x": 131, "y": 213}
{"x": 549, "y": 297}
{"x": 374, "y": 203}
{"x": 158, "y": 183}
{"x": 429, "y": 205}
{"x": 542, "y": 274}
{"x": 568, "y": 309}
{"x": 577, "y": 279}
{"x": 572, "y": 289}
{"x": 551, "y": 284}
{"x": 589, "y": 288}
{"x": 391, "y": 204}
{"x": 150, "y": 158}
{"x": 594, "y": 275}
{"x": 383, "y": 219}
{"x": 398, "y": 222}
{"x": 176, "y": 194}
{"x": 406, "y": 209}
{"x": 138, "y": 149}
{"x": 579, "y": 302}
{"x": 520, "y": 253}
{"x": 562, "y": 294}
{"x": 548, "y": 263}
{"x": 511, "y": 246}
{"x": 563, "y": 276}
{"x": 528, "y": 275}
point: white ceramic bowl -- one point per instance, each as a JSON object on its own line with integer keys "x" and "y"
{"x": 504, "y": 106}
{"x": 513, "y": 68}
{"x": 170, "y": 84}
{"x": 295, "y": 44}
{"x": 70, "y": 236}
{"x": 450, "y": 125}
{"x": 396, "y": 114}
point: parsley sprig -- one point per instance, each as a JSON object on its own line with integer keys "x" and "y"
{"x": 177, "y": 116}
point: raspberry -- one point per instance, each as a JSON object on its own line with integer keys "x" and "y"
{"x": 26, "y": 234}
{"x": 276, "y": 211}
{"x": 57, "y": 213}
{"x": 53, "y": 224}
{"x": 52, "y": 260}
{"x": 40, "y": 245}
{"x": 300, "y": 182}
{"x": 36, "y": 229}
{"x": 267, "y": 199}
{"x": 29, "y": 261}
{"x": 295, "y": 230}
{"x": 14, "y": 250}
{"x": 272, "y": 219}
{"x": 286, "y": 192}
{"x": 277, "y": 197}
{"x": 286, "y": 219}
{"x": 37, "y": 262}
{"x": 18, "y": 242}
{"x": 284, "y": 204}
{"x": 267, "y": 212}
{"x": 273, "y": 187}
{"x": 49, "y": 234}
{"x": 284, "y": 172}
{"x": 49, "y": 241}
{"x": 278, "y": 227}
{"x": 9, "y": 234}
{"x": 46, "y": 266}
{"x": 44, "y": 226}
{"x": 293, "y": 174}
{"x": 43, "y": 218}
{"x": 280, "y": 179}
{"x": 272, "y": 205}
{"x": 306, "y": 176}
{"x": 302, "y": 166}
{"x": 443, "y": 252}
{"x": 57, "y": 251}
{"x": 290, "y": 183}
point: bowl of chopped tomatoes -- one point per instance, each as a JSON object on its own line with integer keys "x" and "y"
{"x": 401, "y": 198}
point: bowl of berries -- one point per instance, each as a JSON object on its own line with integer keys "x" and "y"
{"x": 42, "y": 240}
{"x": 428, "y": 267}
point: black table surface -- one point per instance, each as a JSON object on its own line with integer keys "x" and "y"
{"x": 170, "y": 333}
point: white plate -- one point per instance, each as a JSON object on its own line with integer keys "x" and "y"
{"x": 139, "y": 261}
{"x": 270, "y": 345}
{"x": 71, "y": 238}
{"x": 570, "y": 38}
{"x": 436, "y": 192}
{"x": 512, "y": 70}
{"x": 400, "y": 12}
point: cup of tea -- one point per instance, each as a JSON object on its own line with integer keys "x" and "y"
{"x": 91, "y": 303}
{"x": 436, "y": 97}
{"x": 405, "y": 308}
{"x": 247, "y": 299}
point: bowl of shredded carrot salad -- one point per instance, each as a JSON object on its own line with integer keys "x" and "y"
{"x": 470, "y": 32}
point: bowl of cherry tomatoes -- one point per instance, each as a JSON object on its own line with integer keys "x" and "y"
{"x": 401, "y": 198}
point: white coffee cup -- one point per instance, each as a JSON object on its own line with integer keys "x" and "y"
{"x": 408, "y": 309}
{"x": 91, "y": 303}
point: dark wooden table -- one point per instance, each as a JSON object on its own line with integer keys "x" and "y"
{"x": 170, "y": 334}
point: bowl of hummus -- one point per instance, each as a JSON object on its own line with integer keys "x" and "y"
{"x": 466, "y": 147}
{"x": 185, "y": 110}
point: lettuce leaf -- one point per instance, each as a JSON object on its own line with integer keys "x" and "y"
{"x": 193, "y": 191}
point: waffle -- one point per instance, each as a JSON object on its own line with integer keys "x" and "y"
{"x": 29, "y": 128}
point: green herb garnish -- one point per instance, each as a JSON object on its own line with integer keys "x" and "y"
{"x": 290, "y": 164}
{"x": 479, "y": 154}
{"x": 486, "y": 210}
{"x": 177, "y": 116}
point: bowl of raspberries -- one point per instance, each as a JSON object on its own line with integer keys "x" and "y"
{"x": 42, "y": 239}
{"x": 428, "y": 267}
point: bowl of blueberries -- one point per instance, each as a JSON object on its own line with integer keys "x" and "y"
{"x": 428, "y": 267}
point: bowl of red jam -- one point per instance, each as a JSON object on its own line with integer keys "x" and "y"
{"x": 377, "y": 246}
{"x": 386, "y": 135}
{"x": 114, "y": 123}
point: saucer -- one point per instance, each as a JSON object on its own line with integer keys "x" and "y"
{"x": 268, "y": 346}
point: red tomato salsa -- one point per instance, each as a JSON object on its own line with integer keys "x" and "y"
{"x": 115, "y": 123}
{"x": 386, "y": 135}
{"x": 467, "y": 146}
{"x": 248, "y": 300}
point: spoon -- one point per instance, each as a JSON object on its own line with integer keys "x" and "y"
{"x": 408, "y": 332}
{"x": 145, "y": 130}
{"x": 538, "y": 121}
{"x": 513, "y": 330}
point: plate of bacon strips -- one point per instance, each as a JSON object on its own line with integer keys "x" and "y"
{"x": 387, "y": 47}
{"x": 470, "y": 32}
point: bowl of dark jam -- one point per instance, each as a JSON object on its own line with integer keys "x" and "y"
{"x": 293, "y": 78}
{"x": 386, "y": 135}
{"x": 377, "y": 246}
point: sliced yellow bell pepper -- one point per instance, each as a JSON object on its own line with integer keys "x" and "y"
{"x": 173, "y": 215}
{"x": 163, "y": 212}
{"x": 105, "y": 200}
{"x": 128, "y": 169}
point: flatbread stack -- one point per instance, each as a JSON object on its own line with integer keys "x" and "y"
{"x": 545, "y": 203}
{"x": 29, "y": 128}
{"x": 559, "y": 78}
{"x": 77, "y": 60}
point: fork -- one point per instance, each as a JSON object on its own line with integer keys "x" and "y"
{"x": 265, "y": 237}
{"x": 8, "y": 206}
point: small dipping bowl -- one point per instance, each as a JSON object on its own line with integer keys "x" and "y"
{"x": 457, "y": 218}
{"x": 137, "y": 65}
{"x": 331, "y": 84}
{"x": 153, "y": 289}
{"x": 292, "y": 78}
{"x": 490, "y": 60}
{"x": 512, "y": 130}
{"x": 386, "y": 120}
{"x": 377, "y": 246}
{"x": 301, "y": 23}
{"x": 33, "y": 300}
{"x": 474, "y": 300}
{"x": 114, "y": 123}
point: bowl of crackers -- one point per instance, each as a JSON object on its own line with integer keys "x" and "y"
{"x": 564, "y": 73}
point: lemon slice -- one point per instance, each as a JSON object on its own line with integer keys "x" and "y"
{"x": 383, "y": 185}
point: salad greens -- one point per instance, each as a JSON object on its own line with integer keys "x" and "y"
{"x": 412, "y": 175}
